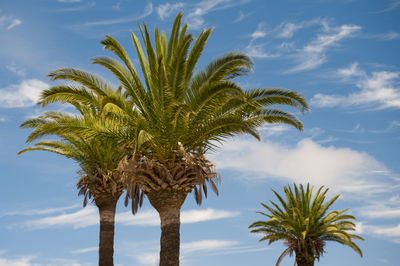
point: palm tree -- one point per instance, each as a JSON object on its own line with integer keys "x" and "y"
{"x": 98, "y": 157}
{"x": 171, "y": 118}
{"x": 180, "y": 115}
{"x": 304, "y": 224}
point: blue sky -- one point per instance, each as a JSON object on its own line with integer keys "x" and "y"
{"x": 342, "y": 55}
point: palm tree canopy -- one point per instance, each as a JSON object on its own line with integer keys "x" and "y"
{"x": 176, "y": 107}
{"x": 303, "y": 221}
{"x": 98, "y": 156}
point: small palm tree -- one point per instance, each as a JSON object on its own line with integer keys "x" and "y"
{"x": 304, "y": 224}
{"x": 98, "y": 156}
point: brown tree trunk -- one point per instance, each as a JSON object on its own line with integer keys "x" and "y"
{"x": 107, "y": 220}
{"x": 302, "y": 261}
{"x": 168, "y": 203}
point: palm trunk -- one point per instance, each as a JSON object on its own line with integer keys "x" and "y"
{"x": 168, "y": 203}
{"x": 107, "y": 220}
{"x": 302, "y": 261}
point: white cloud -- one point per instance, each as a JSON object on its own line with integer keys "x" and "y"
{"x": 314, "y": 54}
{"x": 388, "y": 36}
{"x": 391, "y": 232}
{"x": 148, "y": 258}
{"x": 195, "y": 16}
{"x": 143, "y": 218}
{"x": 260, "y": 32}
{"x": 89, "y": 216}
{"x": 166, "y": 10}
{"x": 150, "y": 217}
{"x": 341, "y": 169}
{"x": 195, "y": 216}
{"x": 288, "y": 29}
{"x": 380, "y": 211}
{"x": 85, "y": 250}
{"x": 380, "y": 89}
{"x": 82, "y": 218}
{"x": 23, "y": 261}
{"x": 258, "y": 51}
{"x": 9, "y": 22}
{"x": 22, "y": 95}
{"x": 83, "y": 6}
{"x": 16, "y": 70}
{"x": 40, "y": 211}
{"x": 31, "y": 261}
{"x": 393, "y": 5}
{"x": 146, "y": 12}
{"x": 2, "y": 119}
{"x": 206, "y": 245}
{"x": 241, "y": 17}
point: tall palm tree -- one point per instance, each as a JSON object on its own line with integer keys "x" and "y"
{"x": 304, "y": 224}
{"x": 181, "y": 115}
{"x": 98, "y": 157}
{"x": 173, "y": 116}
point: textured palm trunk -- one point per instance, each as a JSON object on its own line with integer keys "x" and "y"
{"x": 107, "y": 220}
{"x": 302, "y": 261}
{"x": 168, "y": 203}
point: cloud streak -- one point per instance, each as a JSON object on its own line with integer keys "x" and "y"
{"x": 379, "y": 89}
{"x": 146, "y": 12}
{"x": 313, "y": 54}
{"x": 9, "y": 22}
{"x": 24, "y": 94}
{"x": 89, "y": 216}
{"x": 164, "y": 11}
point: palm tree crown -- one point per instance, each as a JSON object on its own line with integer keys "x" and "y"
{"x": 97, "y": 156}
{"x": 304, "y": 224}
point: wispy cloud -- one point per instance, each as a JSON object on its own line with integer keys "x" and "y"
{"x": 393, "y": 5}
{"x": 116, "y": 7}
{"x": 24, "y": 94}
{"x": 80, "y": 7}
{"x": 287, "y": 30}
{"x": 89, "y": 216}
{"x": 21, "y": 261}
{"x": 16, "y": 70}
{"x": 166, "y": 10}
{"x": 309, "y": 56}
{"x": 342, "y": 169}
{"x": 9, "y": 22}
{"x": 390, "y": 232}
{"x": 206, "y": 245}
{"x": 240, "y": 17}
{"x": 82, "y": 218}
{"x": 34, "y": 212}
{"x": 382, "y": 209}
{"x": 146, "y": 12}
{"x": 195, "y": 16}
{"x": 313, "y": 54}
{"x": 148, "y": 255}
{"x": 392, "y": 35}
{"x": 85, "y": 250}
{"x": 378, "y": 89}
